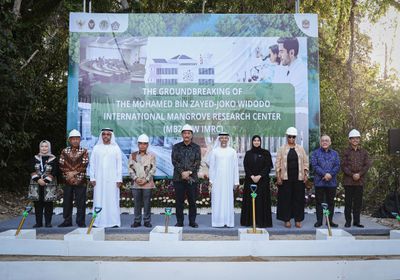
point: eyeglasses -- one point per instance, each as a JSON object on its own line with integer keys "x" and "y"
{"x": 291, "y": 137}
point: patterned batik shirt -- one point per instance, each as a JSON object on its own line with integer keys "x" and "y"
{"x": 74, "y": 160}
{"x": 325, "y": 162}
{"x": 186, "y": 158}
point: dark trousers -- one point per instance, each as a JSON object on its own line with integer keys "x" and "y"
{"x": 48, "y": 212}
{"x": 182, "y": 188}
{"x": 291, "y": 201}
{"x": 327, "y": 195}
{"x": 353, "y": 203}
{"x": 142, "y": 199}
{"x": 79, "y": 194}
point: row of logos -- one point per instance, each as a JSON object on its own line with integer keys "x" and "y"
{"x": 103, "y": 24}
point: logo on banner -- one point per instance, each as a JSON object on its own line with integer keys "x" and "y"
{"x": 91, "y": 24}
{"x": 80, "y": 23}
{"x": 305, "y": 23}
{"x": 103, "y": 25}
{"x": 115, "y": 25}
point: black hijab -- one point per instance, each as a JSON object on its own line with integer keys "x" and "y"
{"x": 257, "y": 150}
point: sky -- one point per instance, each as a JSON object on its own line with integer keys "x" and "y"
{"x": 385, "y": 31}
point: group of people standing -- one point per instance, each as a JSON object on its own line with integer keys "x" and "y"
{"x": 292, "y": 171}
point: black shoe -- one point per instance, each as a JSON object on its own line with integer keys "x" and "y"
{"x": 135, "y": 224}
{"x": 115, "y": 226}
{"x": 49, "y": 225}
{"x": 37, "y": 226}
{"x": 347, "y": 224}
{"x": 179, "y": 224}
{"x": 334, "y": 225}
{"x": 358, "y": 225}
{"x": 317, "y": 224}
{"x": 65, "y": 224}
{"x": 82, "y": 225}
{"x": 194, "y": 225}
{"x": 148, "y": 224}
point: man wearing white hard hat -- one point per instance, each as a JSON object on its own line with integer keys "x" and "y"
{"x": 186, "y": 158}
{"x": 355, "y": 165}
{"x": 73, "y": 163}
{"x": 142, "y": 167}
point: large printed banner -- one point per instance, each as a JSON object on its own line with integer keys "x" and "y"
{"x": 153, "y": 73}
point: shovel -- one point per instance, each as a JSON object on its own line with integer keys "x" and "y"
{"x": 96, "y": 211}
{"x": 326, "y": 213}
{"x": 24, "y": 215}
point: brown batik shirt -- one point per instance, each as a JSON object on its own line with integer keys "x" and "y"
{"x": 74, "y": 160}
{"x": 355, "y": 161}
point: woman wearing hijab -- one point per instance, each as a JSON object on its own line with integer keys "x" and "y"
{"x": 291, "y": 175}
{"x": 43, "y": 178}
{"x": 257, "y": 165}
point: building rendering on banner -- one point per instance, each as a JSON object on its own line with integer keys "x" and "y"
{"x": 181, "y": 69}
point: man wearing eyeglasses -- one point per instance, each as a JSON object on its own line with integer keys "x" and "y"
{"x": 326, "y": 165}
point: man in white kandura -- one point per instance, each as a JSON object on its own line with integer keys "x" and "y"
{"x": 224, "y": 177}
{"x": 106, "y": 178}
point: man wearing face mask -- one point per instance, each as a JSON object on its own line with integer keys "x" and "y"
{"x": 186, "y": 158}
{"x": 73, "y": 163}
{"x": 106, "y": 178}
{"x": 224, "y": 177}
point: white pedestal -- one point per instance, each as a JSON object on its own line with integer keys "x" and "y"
{"x": 79, "y": 234}
{"x": 23, "y": 234}
{"x": 262, "y": 234}
{"x": 395, "y": 234}
{"x": 158, "y": 234}
{"x": 322, "y": 234}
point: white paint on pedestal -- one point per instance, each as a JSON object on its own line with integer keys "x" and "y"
{"x": 23, "y": 234}
{"x": 337, "y": 234}
{"x": 158, "y": 234}
{"x": 262, "y": 235}
{"x": 80, "y": 234}
{"x": 395, "y": 234}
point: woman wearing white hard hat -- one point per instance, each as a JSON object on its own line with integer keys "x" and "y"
{"x": 291, "y": 174}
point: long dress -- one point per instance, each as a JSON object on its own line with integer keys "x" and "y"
{"x": 224, "y": 175}
{"x": 257, "y": 162}
{"x": 106, "y": 170}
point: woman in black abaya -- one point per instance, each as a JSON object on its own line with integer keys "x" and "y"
{"x": 257, "y": 165}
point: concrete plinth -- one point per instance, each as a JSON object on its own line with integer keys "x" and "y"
{"x": 337, "y": 234}
{"x": 23, "y": 234}
{"x": 395, "y": 234}
{"x": 79, "y": 234}
{"x": 158, "y": 234}
{"x": 246, "y": 234}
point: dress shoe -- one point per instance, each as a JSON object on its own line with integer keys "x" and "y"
{"x": 347, "y": 224}
{"x": 298, "y": 224}
{"x": 81, "y": 225}
{"x": 179, "y": 224}
{"x": 194, "y": 225}
{"x": 333, "y": 225}
{"x": 135, "y": 224}
{"x": 288, "y": 224}
{"x": 37, "y": 226}
{"x": 65, "y": 224}
{"x": 358, "y": 225}
{"x": 148, "y": 224}
{"x": 317, "y": 224}
{"x": 48, "y": 225}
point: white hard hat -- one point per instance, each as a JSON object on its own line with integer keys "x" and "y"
{"x": 74, "y": 133}
{"x": 291, "y": 131}
{"x": 143, "y": 138}
{"x": 187, "y": 127}
{"x": 354, "y": 133}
